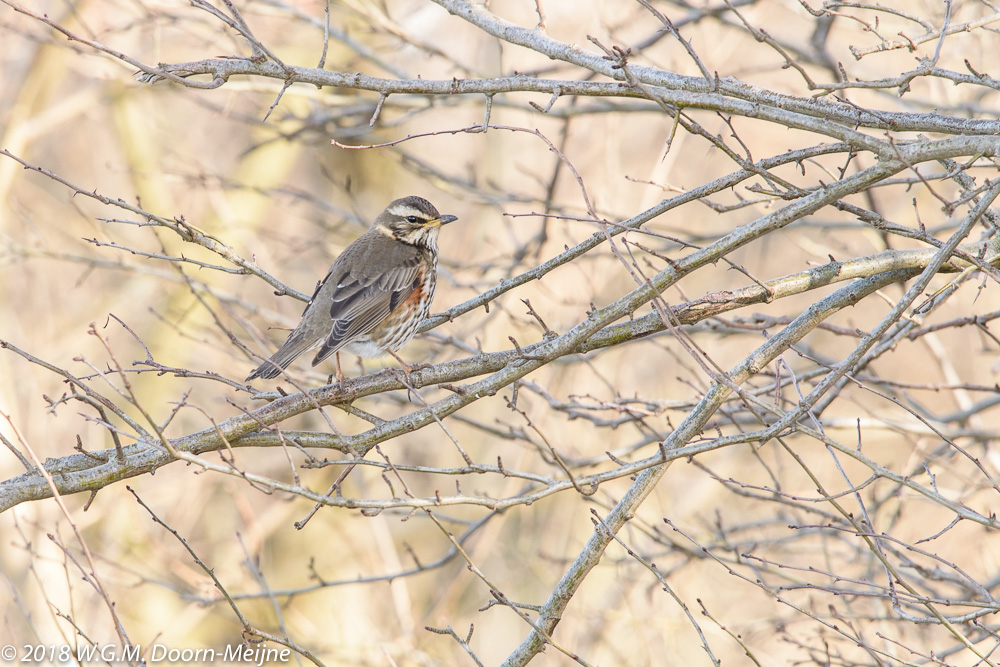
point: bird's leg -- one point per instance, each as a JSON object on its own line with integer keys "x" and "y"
{"x": 340, "y": 373}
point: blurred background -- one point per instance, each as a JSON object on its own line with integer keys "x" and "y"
{"x": 254, "y": 168}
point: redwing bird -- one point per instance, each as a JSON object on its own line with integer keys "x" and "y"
{"x": 376, "y": 293}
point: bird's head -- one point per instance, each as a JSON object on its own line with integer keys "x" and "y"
{"x": 412, "y": 220}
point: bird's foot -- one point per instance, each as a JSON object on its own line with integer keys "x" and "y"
{"x": 407, "y": 369}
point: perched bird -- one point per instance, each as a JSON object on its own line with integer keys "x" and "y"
{"x": 376, "y": 293}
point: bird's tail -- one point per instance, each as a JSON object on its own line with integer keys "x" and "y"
{"x": 286, "y": 354}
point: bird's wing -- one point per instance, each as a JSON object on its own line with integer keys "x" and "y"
{"x": 366, "y": 283}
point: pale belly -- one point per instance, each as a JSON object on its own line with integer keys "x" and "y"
{"x": 365, "y": 348}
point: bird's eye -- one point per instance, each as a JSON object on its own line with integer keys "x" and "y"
{"x": 412, "y": 219}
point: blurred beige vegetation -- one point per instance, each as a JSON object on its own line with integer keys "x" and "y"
{"x": 782, "y": 516}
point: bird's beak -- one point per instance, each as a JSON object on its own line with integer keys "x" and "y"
{"x": 444, "y": 220}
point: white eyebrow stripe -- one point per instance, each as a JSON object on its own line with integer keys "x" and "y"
{"x": 404, "y": 210}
